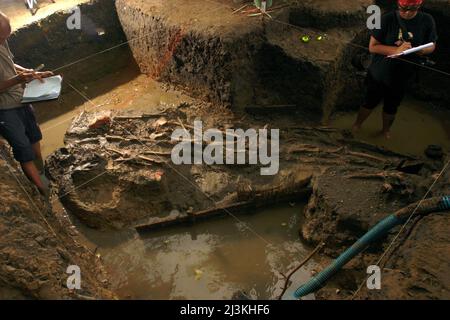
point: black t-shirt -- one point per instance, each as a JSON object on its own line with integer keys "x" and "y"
{"x": 393, "y": 72}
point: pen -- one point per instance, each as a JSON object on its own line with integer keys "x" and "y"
{"x": 40, "y": 67}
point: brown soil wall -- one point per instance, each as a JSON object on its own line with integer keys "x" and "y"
{"x": 37, "y": 246}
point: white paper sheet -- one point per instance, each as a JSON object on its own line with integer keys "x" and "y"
{"x": 412, "y": 50}
{"x": 41, "y": 91}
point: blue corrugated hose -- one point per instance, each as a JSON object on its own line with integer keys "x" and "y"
{"x": 381, "y": 229}
{"x": 445, "y": 203}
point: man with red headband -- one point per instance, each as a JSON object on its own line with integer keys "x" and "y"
{"x": 387, "y": 78}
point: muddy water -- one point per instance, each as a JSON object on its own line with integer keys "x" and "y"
{"x": 208, "y": 260}
{"x": 417, "y": 125}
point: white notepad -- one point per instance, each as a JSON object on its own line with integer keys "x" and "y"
{"x": 41, "y": 91}
{"x": 412, "y": 50}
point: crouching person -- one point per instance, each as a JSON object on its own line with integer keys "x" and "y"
{"x": 387, "y": 78}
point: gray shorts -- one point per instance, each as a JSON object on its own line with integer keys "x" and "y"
{"x": 19, "y": 127}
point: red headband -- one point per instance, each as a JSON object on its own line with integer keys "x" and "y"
{"x": 405, "y": 3}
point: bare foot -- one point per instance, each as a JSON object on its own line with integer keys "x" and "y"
{"x": 45, "y": 192}
{"x": 356, "y": 128}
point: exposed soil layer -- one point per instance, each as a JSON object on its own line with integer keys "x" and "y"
{"x": 419, "y": 268}
{"x": 232, "y": 59}
{"x": 37, "y": 247}
{"x": 50, "y": 42}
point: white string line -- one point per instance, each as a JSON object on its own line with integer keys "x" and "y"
{"x": 28, "y": 195}
{"x": 101, "y": 52}
{"x": 108, "y": 49}
{"x": 71, "y": 117}
{"x": 81, "y": 60}
{"x": 404, "y": 225}
{"x": 187, "y": 179}
{"x": 87, "y": 182}
{"x": 30, "y": 199}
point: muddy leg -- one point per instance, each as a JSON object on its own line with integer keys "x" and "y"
{"x": 388, "y": 120}
{"x": 363, "y": 114}
{"x": 39, "y": 162}
{"x": 38, "y": 153}
{"x": 32, "y": 173}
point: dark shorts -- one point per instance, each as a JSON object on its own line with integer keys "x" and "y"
{"x": 378, "y": 91}
{"x": 19, "y": 127}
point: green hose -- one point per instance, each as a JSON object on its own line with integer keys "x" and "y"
{"x": 380, "y": 230}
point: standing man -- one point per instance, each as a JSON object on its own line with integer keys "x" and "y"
{"x": 387, "y": 78}
{"x": 17, "y": 121}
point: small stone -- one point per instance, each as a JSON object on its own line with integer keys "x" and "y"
{"x": 198, "y": 274}
{"x": 10, "y": 269}
{"x": 39, "y": 239}
{"x": 387, "y": 187}
{"x": 338, "y": 291}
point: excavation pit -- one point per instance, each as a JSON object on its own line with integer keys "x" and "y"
{"x": 100, "y": 138}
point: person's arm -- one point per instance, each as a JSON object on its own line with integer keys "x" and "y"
{"x": 21, "y": 69}
{"x": 430, "y": 36}
{"x": 37, "y": 75}
{"x": 427, "y": 51}
{"x": 377, "y": 47}
{"x": 21, "y": 78}
{"x": 6, "y": 84}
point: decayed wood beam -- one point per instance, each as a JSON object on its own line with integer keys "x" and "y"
{"x": 258, "y": 201}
